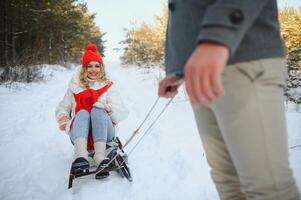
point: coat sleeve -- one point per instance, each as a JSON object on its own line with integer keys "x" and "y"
{"x": 119, "y": 111}
{"x": 227, "y": 21}
{"x": 64, "y": 107}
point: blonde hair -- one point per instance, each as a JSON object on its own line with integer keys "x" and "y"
{"x": 83, "y": 77}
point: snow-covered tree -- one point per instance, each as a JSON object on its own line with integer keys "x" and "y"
{"x": 293, "y": 91}
{"x": 290, "y": 23}
{"x": 145, "y": 44}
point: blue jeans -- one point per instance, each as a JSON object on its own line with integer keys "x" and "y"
{"x": 98, "y": 120}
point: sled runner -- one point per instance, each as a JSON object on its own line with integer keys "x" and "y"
{"x": 117, "y": 162}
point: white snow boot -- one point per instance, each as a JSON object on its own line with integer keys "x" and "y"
{"x": 100, "y": 159}
{"x": 100, "y": 152}
{"x": 81, "y": 163}
{"x": 80, "y": 148}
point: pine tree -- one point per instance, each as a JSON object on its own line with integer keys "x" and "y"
{"x": 43, "y": 32}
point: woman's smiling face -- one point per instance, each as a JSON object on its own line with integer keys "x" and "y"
{"x": 93, "y": 69}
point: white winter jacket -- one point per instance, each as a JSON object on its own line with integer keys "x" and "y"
{"x": 67, "y": 106}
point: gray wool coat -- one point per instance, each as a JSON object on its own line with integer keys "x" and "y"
{"x": 249, "y": 28}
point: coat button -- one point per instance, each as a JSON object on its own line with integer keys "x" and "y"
{"x": 171, "y": 6}
{"x": 236, "y": 17}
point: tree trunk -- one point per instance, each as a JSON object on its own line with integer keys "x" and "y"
{"x": 2, "y": 27}
{"x": 50, "y": 48}
{"x": 13, "y": 34}
{"x": 6, "y": 2}
{"x": 65, "y": 50}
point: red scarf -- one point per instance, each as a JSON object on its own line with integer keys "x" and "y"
{"x": 84, "y": 101}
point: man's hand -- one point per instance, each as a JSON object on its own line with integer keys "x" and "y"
{"x": 168, "y": 87}
{"x": 203, "y": 73}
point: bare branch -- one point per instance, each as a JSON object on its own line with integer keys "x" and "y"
{"x": 39, "y": 11}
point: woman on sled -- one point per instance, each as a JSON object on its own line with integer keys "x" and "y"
{"x": 89, "y": 111}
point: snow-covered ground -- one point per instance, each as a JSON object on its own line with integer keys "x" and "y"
{"x": 168, "y": 163}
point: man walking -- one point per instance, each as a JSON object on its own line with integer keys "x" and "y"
{"x": 232, "y": 56}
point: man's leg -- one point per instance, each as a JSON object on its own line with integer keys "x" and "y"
{"x": 223, "y": 172}
{"x": 251, "y": 118}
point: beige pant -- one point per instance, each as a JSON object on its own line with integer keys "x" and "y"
{"x": 244, "y": 134}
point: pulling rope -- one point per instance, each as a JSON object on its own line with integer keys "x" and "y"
{"x": 146, "y": 117}
{"x": 156, "y": 119}
{"x": 294, "y": 147}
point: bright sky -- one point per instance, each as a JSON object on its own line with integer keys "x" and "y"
{"x": 114, "y": 15}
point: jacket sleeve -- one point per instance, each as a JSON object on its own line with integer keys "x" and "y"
{"x": 64, "y": 108}
{"x": 119, "y": 111}
{"x": 227, "y": 21}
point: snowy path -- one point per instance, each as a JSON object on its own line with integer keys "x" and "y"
{"x": 168, "y": 164}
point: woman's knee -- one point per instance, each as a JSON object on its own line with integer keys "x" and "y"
{"x": 80, "y": 126}
{"x": 99, "y": 113}
{"x": 84, "y": 114}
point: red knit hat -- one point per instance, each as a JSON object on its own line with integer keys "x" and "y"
{"x": 91, "y": 54}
